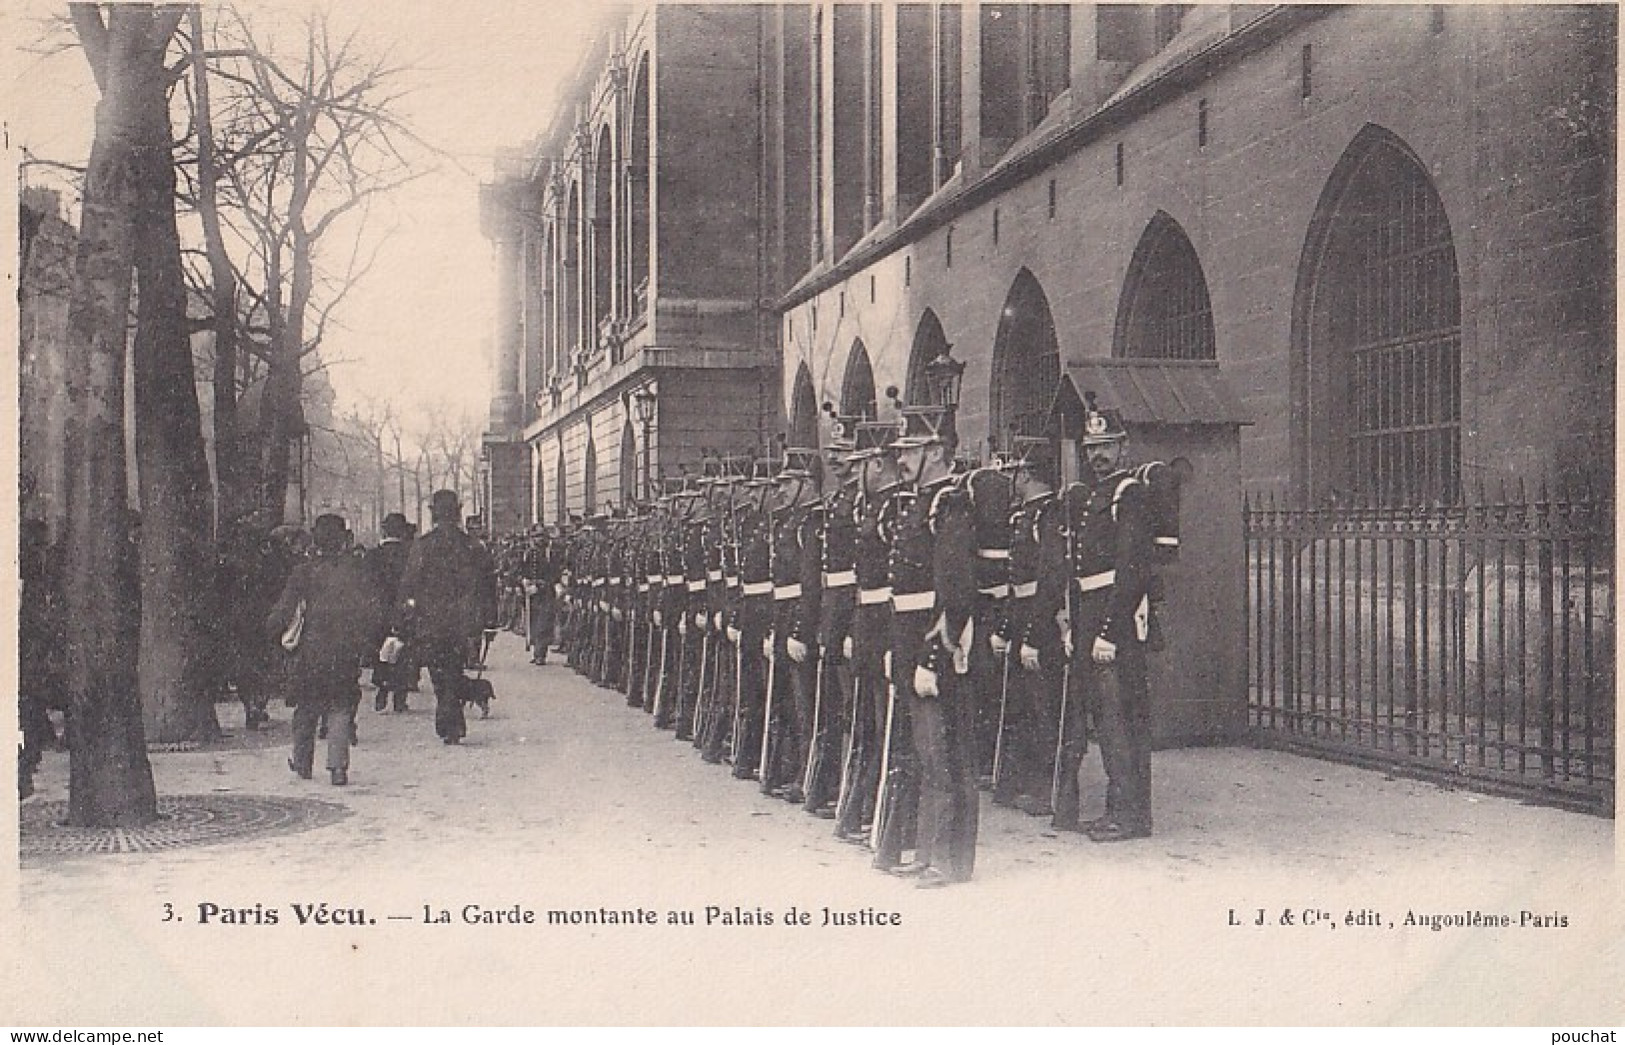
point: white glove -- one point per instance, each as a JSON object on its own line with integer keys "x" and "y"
{"x": 925, "y": 682}
{"x": 716, "y": 620}
{"x": 797, "y": 650}
{"x": 1066, "y": 642}
{"x": 1103, "y": 652}
{"x": 767, "y": 647}
{"x": 658, "y": 619}
{"x": 530, "y": 587}
{"x": 886, "y": 662}
{"x": 846, "y": 647}
{"x": 1029, "y": 657}
{"x": 558, "y": 591}
{"x": 999, "y": 644}
{"x": 699, "y": 620}
{"x": 734, "y": 636}
{"x": 682, "y": 625}
{"x": 617, "y": 613}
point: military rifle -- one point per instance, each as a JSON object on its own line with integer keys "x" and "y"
{"x": 1067, "y": 524}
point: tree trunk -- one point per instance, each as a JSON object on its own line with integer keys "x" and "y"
{"x": 109, "y": 776}
{"x": 177, "y": 594}
{"x": 232, "y": 498}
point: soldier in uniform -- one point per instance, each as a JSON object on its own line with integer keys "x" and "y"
{"x": 1031, "y": 632}
{"x": 934, "y": 600}
{"x": 864, "y": 647}
{"x": 541, "y": 577}
{"x": 672, "y": 602}
{"x": 989, "y": 490}
{"x": 751, "y": 619}
{"x": 830, "y": 540}
{"x": 695, "y": 620}
{"x": 1111, "y": 549}
{"x": 722, "y": 578}
{"x": 795, "y": 620}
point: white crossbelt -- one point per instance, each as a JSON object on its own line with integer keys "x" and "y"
{"x": 733, "y": 582}
{"x": 654, "y": 578}
{"x": 1166, "y": 541}
{"x": 713, "y": 575}
{"x": 871, "y": 596}
{"x": 840, "y": 579}
{"x": 912, "y": 601}
{"x": 787, "y": 591}
{"x": 758, "y": 588}
{"x": 993, "y": 553}
{"x": 1096, "y": 581}
{"x": 643, "y": 586}
{"x": 997, "y": 591}
{"x": 615, "y": 582}
{"x": 698, "y": 585}
{"x": 1026, "y": 590}
{"x": 674, "y": 579}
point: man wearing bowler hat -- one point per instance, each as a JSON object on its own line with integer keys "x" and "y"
{"x": 448, "y": 597}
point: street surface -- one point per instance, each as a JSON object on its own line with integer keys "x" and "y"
{"x": 566, "y": 801}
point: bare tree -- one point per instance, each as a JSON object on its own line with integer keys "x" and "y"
{"x": 305, "y": 146}
{"x": 177, "y": 549}
{"x": 110, "y": 778}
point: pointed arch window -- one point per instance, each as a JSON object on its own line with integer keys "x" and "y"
{"x": 804, "y": 411}
{"x": 1378, "y": 320}
{"x": 1165, "y": 311}
{"x": 1026, "y": 363}
{"x": 858, "y": 386}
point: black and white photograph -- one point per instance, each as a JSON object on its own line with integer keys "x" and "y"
{"x": 833, "y": 514}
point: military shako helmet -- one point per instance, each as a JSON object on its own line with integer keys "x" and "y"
{"x": 1101, "y": 425}
{"x": 1034, "y": 455}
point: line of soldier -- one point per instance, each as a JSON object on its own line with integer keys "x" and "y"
{"x": 879, "y": 633}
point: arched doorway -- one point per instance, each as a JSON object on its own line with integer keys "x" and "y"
{"x": 1377, "y": 329}
{"x": 858, "y": 386}
{"x": 929, "y": 343}
{"x": 1026, "y": 364}
{"x": 629, "y": 465}
{"x": 1164, "y": 312}
{"x": 804, "y": 411}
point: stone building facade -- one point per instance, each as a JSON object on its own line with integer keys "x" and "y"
{"x": 639, "y": 262}
{"x": 1337, "y": 206}
{"x": 1329, "y": 255}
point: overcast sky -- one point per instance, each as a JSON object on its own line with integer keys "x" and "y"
{"x": 486, "y": 73}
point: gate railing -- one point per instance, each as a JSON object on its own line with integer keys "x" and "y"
{"x": 1475, "y": 641}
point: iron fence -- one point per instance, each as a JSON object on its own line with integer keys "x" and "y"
{"x": 1475, "y": 640}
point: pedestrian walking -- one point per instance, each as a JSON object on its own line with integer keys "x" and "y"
{"x": 387, "y": 563}
{"x": 329, "y": 614}
{"x": 448, "y": 598}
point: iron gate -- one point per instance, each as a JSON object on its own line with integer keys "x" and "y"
{"x": 1475, "y": 641}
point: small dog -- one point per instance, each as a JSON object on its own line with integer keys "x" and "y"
{"x": 478, "y": 691}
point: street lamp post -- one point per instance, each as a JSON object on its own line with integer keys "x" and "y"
{"x": 643, "y": 402}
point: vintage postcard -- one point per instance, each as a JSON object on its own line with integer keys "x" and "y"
{"x": 848, "y": 514}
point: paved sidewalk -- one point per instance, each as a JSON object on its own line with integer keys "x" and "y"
{"x": 566, "y": 800}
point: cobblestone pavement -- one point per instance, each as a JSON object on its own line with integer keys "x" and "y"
{"x": 566, "y": 804}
